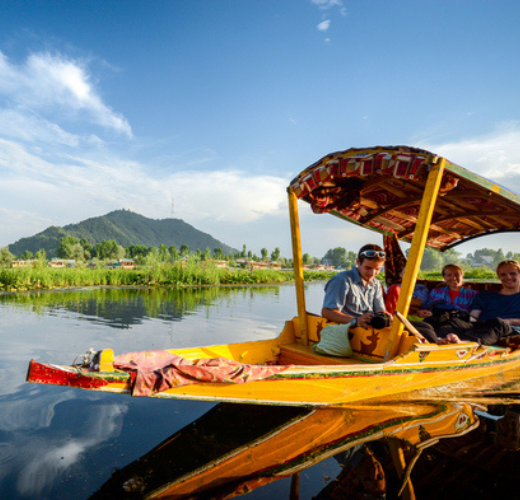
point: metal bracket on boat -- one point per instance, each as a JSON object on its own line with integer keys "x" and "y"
{"x": 89, "y": 359}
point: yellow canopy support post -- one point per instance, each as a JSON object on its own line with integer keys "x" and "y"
{"x": 298, "y": 266}
{"x": 420, "y": 235}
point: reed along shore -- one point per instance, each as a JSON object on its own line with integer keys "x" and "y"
{"x": 174, "y": 274}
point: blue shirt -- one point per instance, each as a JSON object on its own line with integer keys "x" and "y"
{"x": 495, "y": 305}
{"x": 346, "y": 291}
{"x": 421, "y": 292}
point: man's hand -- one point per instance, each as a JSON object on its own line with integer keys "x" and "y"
{"x": 364, "y": 320}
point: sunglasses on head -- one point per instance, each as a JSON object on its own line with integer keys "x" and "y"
{"x": 371, "y": 254}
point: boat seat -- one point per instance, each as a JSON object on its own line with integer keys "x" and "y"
{"x": 368, "y": 344}
{"x": 297, "y": 354}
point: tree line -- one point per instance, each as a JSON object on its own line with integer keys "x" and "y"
{"x": 81, "y": 250}
{"x": 433, "y": 260}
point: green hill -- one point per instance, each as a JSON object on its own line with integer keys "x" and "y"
{"x": 126, "y": 228}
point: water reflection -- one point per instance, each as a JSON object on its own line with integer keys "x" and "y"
{"x": 124, "y": 307}
{"x": 379, "y": 448}
{"x": 46, "y": 460}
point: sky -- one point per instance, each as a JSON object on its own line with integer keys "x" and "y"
{"x": 204, "y": 110}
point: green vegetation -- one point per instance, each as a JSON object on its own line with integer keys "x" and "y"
{"x": 177, "y": 274}
{"x": 476, "y": 274}
{"x": 339, "y": 257}
{"x": 170, "y": 266}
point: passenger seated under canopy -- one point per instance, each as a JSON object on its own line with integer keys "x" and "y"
{"x": 495, "y": 314}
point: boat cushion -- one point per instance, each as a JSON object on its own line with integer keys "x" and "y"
{"x": 334, "y": 341}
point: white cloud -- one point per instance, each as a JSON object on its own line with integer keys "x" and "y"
{"x": 495, "y": 156}
{"x": 324, "y": 25}
{"x": 68, "y": 190}
{"x": 45, "y": 460}
{"x": 227, "y": 195}
{"x": 330, "y": 4}
{"x": 28, "y": 128}
{"x": 55, "y": 84}
{"x": 327, "y": 4}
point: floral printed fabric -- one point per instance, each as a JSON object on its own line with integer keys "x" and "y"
{"x": 395, "y": 260}
{"x": 464, "y": 299}
{"x": 157, "y": 371}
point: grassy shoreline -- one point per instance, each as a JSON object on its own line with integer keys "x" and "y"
{"x": 171, "y": 275}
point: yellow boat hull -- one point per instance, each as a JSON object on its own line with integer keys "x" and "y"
{"x": 322, "y": 381}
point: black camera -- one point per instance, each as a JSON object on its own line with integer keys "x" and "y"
{"x": 380, "y": 320}
{"x": 444, "y": 312}
{"x": 459, "y": 314}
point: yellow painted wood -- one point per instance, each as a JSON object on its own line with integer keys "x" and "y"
{"x": 429, "y": 366}
{"x": 298, "y": 266}
{"x": 320, "y": 435}
{"x": 415, "y": 255}
{"x": 106, "y": 360}
{"x": 465, "y": 368}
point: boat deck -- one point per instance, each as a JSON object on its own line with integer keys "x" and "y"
{"x": 297, "y": 354}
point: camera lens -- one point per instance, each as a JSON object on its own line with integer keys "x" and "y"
{"x": 379, "y": 321}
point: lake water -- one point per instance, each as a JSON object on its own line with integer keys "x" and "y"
{"x": 60, "y": 443}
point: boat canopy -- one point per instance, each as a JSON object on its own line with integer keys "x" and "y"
{"x": 381, "y": 189}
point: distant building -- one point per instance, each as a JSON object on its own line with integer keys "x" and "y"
{"x": 56, "y": 263}
{"x": 319, "y": 267}
{"x": 23, "y": 263}
{"x": 127, "y": 264}
{"x": 263, "y": 264}
{"x": 62, "y": 263}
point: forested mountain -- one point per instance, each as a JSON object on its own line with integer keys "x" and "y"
{"x": 126, "y": 228}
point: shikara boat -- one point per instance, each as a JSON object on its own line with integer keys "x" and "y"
{"x": 400, "y": 192}
{"x": 226, "y": 453}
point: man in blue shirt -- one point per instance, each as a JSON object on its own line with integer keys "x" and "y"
{"x": 353, "y": 296}
{"x": 495, "y": 314}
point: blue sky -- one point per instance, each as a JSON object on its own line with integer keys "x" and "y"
{"x": 218, "y": 104}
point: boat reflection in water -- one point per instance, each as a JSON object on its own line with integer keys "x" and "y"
{"x": 234, "y": 449}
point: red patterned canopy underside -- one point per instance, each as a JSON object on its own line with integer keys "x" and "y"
{"x": 381, "y": 189}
